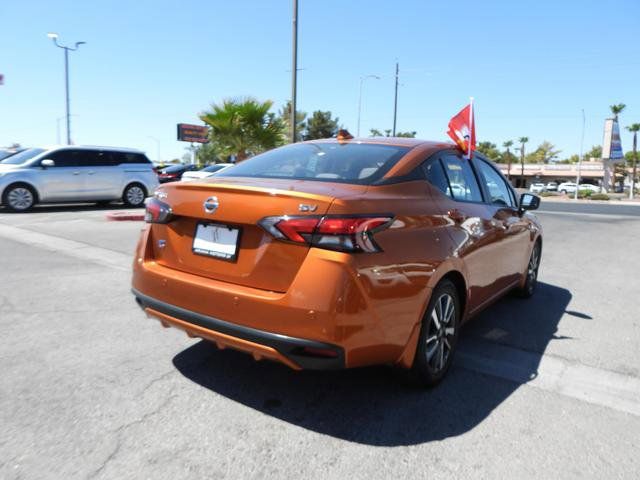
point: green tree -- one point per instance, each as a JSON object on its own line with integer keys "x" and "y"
{"x": 374, "y": 132}
{"x": 244, "y": 127}
{"x": 285, "y": 117}
{"x": 489, "y": 150}
{"x": 522, "y": 141}
{"x": 617, "y": 109}
{"x": 508, "y": 156}
{"x": 321, "y": 125}
{"x": 595, "y": 152}
{"x": 209, "y": 153}
{"x": 634, "y": 128}
{"x": 545, "y": 152}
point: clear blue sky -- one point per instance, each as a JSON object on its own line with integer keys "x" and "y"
{"x": 531, "y": 65}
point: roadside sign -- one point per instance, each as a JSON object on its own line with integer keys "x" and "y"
{"x": 612, "y": 146}
{"x": 193, "y": 133}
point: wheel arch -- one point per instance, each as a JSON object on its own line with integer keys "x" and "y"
{"x": 455, "y": 276}
{"x": 21, "y": 182}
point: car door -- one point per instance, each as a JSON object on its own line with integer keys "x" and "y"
{"x": 65, "y": 181}
{"x": 513, "y": 233}
{"x": 104, "y": 176}
{"x": 474, "y": 234}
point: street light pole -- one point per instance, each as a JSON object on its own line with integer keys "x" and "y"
{"x": 157, "y": 147}
{"x": 395, "y": 101}
{"x": 580, "y": 158}
{"x": 362, "y": 79}
{"x": 294, "y": 71}
{"x": 54, "y": 37}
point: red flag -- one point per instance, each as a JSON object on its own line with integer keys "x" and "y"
{"x": 462, "y": 129}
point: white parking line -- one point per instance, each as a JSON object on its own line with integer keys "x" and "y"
{"x": 548, "y": 372}
{"x": 82, "y": 251}
{"x": 597, "y": 386}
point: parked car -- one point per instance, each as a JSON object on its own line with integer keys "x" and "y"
{"x": 590, "y": 188}
{"x": 174, "y": 173}
{"x": 337, "y": 253}
{"x": 537, "y": 187}
{"x": 206, "y": 171}
{"x": 75, "y": 174}
{"x": 552, "y": 187}
{"x": 567, "y": 187}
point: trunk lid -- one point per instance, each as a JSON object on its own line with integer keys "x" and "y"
{"x": 261, "y": 261}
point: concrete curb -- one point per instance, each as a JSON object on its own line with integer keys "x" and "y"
{"x": 125, "y": 216}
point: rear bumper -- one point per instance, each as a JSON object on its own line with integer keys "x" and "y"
{"x": 261, "y": 344}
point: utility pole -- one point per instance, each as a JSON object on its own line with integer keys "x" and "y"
{"x": 395, "y": 102}
{"x": 635, "y": 164}
{"x": 54, "y": 37}
{"x": 294, "y": 72}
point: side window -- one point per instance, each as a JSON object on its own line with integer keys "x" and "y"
{"x": 66, "y": 158}
{"x": 499, "y": 193}
{"x": 436, "y": 176}
{"x": 462, "y": 180}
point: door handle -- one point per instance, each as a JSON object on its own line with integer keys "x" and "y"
{"x": 91, "y": 172}
{"x": 76, "y": 172}
{"x": 456, "y": 215}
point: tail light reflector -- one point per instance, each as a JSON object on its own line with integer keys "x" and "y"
{"x": 157, "y": 211}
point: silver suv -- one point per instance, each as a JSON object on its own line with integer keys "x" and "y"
{"x": 75, "y": 174}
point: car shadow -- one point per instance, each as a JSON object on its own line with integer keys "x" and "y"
{"x": 71, "y": 207}
{"x": 372, "y": 405}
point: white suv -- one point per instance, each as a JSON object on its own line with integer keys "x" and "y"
{"x": 75, "y": 174}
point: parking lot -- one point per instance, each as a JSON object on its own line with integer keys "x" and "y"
{"x": 547, "y": 387}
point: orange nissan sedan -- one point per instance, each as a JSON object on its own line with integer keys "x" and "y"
{"x": 338, "y": 253}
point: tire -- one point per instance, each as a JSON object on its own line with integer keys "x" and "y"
{"x": 19, "y": 197}
{"x": 529, "y": 287}
{"x": 438, "y": 336}
{"x": 134, "y": 195}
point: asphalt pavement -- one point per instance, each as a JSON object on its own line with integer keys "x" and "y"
{"x": 542, "y": 388}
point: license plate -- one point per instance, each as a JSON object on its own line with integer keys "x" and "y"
{"x": 214, "y": 240}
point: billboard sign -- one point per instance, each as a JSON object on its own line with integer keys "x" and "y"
{"x": 612, "y": 146}
{"x": 193, "y": 133}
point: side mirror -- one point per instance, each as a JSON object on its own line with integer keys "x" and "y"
{"x": 529, "y": 201}
{"x": 46, "y": 163}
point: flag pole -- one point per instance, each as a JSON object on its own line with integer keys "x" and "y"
{"x": 470, "y": 128}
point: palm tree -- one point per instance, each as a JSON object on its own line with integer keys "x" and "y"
{"x": 617, "y": 110}
{"x": 522, "y": 141}
{"x": 634, "y": 128}
{"x": 508, "y": 144}
{"x": 244, "y": 127}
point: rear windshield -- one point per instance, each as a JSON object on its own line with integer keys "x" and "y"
{"x": 326, "y": 162}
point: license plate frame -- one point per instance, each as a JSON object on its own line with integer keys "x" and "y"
{"x": 204, "y": 248}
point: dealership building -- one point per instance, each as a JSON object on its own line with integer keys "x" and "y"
{"x": 590, "y": 172}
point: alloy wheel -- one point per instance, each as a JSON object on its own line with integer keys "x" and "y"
{"x": 20, "y": 198}
{"x": 532, "y": 269}
{"x": 441, "y": 333}
{"x": 135, "y": 195}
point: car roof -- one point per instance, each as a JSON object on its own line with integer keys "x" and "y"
{"x": 92, "y": 147}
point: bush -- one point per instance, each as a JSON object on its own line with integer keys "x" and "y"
{"x": 584, "y": 193}
{"x": 599, "y": 196}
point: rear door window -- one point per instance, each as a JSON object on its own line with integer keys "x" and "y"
{"x": 435, "y": 176}
{"x": 462, "y": 180}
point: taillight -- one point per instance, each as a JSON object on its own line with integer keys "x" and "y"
{"x": 340, "y": 233}
{"x": 157, "y": 211}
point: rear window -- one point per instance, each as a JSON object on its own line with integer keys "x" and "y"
{"x": 325, "y": 162}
